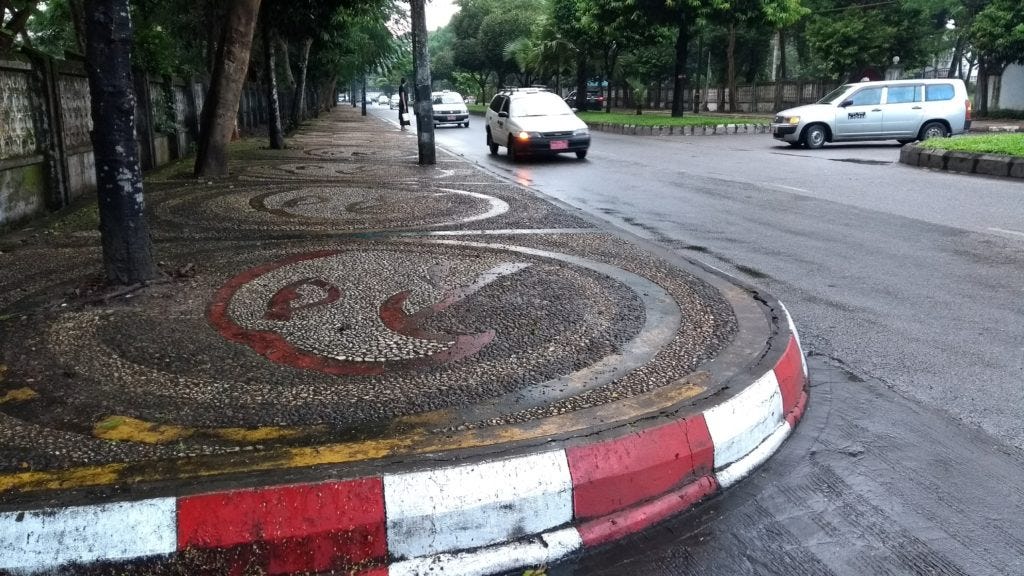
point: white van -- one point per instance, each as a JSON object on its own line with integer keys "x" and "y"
{"x": 902, "y": 110}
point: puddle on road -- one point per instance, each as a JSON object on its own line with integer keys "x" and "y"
{"x": 862, "y": 161}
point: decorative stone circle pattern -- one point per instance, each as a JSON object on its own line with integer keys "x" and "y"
{"x": 340, "y": 337}
{"x": 328, "y": 207}
{"x": 316, "y": 171}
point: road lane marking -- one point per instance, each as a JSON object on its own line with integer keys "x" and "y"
{"x": 794, "y": 188}
{"x": 1002, "y": 231}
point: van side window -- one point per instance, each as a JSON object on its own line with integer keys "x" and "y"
{"x": 902, "y": 94}
{"x": 867, "y": 97}
{"x": 496, "y": 103}
{"x": 933, "y": 92}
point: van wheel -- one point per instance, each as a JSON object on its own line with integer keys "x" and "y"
{"x": 491, "y": 145}
{"x": 814, "y": 136}
{"x": 581, "y": 154}
{"x": 934, "y": 130}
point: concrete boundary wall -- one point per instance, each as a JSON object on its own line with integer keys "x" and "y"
{"x": 46, "y": 158}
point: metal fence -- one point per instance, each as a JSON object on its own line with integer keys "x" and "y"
{"x": 750, "y": 98}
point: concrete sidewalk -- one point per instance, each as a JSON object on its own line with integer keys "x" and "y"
{"x": 356, "y": 363}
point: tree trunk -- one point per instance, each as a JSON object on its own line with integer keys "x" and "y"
{"x": 299, "y": 102}
{"x": 289, "y": 78}
{"x": 997, "y": 86}
{"x": 679, "y": 72}
{"x": 981, "y": 97}
{"x": 127, "y": 250}
{"x": 212, "y": 16}
{"x": 77, "y": 9}
{"x": 274, "y": 128}
{"x": 581, "y": 80}
{"x": 730, "y": 57}
{"x": 958, "y": 56}
{"x": 424, "y": 105}
{"x": 220, "y": 107}
{"x": 780, "y": 69}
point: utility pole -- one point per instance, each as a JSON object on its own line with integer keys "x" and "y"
{"x": 424, "y": 107}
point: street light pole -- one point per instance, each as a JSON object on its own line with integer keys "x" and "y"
{"x": 424, "y": 108}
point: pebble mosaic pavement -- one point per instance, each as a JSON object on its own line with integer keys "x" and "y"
{"x": 313, "y": 297}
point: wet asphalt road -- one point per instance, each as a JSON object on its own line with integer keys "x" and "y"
{"x": 906, "y": 286}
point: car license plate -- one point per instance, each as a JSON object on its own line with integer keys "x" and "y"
{"x": 559, "y": 144}
{"x": 451, "y": 117}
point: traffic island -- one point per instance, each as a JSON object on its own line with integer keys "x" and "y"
{"x": 356, "y": 363}
{"x": 963, "y": 162}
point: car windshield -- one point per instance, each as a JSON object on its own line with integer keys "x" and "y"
{"x": 541, "y": 104}
{"x": 451, "y": 98}
{"x": 834, "y": 96}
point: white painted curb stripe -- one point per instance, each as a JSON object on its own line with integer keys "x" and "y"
{"x": 744, "y": 466}
{"x": 536, "y": 551}
{"x": 43, "y": 539}
{"x": 463, "y": 507}
{"x": 742, "y": 422}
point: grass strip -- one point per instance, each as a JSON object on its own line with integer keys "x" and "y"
{"x": 1007, "y": 144}
{"x": 664, "y": 119}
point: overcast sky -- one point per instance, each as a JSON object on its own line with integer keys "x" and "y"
{"x": 439, "y": 12}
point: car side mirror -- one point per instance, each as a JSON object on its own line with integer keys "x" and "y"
{"x": 846, "y": 103}
{"x": 502, "y": 114}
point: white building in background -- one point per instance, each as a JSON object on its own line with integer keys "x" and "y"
{"x": 1011, "y": 89}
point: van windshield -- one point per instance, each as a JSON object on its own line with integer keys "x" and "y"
{"x": 834, "y": 96}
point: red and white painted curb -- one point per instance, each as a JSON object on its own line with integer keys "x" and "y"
{"x": 470, "y": 519}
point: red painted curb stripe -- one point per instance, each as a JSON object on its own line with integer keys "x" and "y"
{"x": 789, "y": 372}
{"x": 798, "y": 411}
{"x": 613, "y": 475}
{"x": 626, "y": 522}
{"x": 298, "y": 528}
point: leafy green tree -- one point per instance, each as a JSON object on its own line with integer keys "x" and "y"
{"x": 14, "y": 18}
{"x": 569, "y": 18}
{"x": 652, "y": 62}
{"x": 469, "y": 54}
{"x": 755, "y": 20}
{"x": 997, "y": 34}
{"x": 441, "y": 45}
{"x": 850, "y": 40}
{"x": 52, "y": 32}
{"x": 683, "y": 16}
{"x": 499, "y": 29}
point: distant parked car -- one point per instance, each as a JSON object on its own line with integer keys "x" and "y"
{"x": 902, "y": 110}
{"x": 595, "y": 101}
{"x": 383, "y": 100}
{"x": 394, "y": 101}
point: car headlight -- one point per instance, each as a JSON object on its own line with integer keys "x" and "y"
{"x": 793, "y": 120}
{"x": 581, "y": 132}
{"x": 524, "y": 135}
